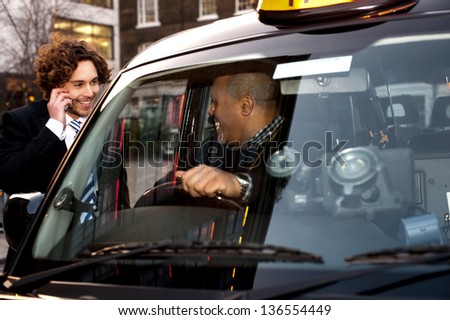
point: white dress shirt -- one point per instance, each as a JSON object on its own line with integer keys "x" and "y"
{"x": 66, "y": 133}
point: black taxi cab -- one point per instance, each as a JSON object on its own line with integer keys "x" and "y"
{"x": 352, "y": 200}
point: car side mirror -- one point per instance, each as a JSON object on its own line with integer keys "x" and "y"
{"x": 18, "y": 214}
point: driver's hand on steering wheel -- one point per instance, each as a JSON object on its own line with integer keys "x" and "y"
{"x": 206, "y": 181}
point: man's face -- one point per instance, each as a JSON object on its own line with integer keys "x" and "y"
{"x": 83, "y": 87}
{"x": 225, "y": 110}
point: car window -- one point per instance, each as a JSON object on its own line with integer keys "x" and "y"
{"x": 362, "y": 153}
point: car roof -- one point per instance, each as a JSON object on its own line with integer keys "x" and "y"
{"x": 237, "y": 28}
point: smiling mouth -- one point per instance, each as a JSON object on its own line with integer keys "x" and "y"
{"x": 84, "y": 103}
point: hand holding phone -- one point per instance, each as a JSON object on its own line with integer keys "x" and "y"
{"x": 60, "y": 101}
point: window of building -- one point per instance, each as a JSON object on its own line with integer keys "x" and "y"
{"x": 100, "y": 36}
{"x": 208, "y": 9}
{"x": 147, "y": 12}
{"x": 246, "y": 5}
{"x": 99, "y": 3}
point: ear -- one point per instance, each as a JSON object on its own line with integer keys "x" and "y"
{"x": 247, "y": 104}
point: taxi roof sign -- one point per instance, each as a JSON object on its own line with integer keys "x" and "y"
{"x": 283, "y": 13}
{"x": 277, "y": 5}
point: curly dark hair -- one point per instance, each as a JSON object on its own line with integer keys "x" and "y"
{"x": 57, "y": 60}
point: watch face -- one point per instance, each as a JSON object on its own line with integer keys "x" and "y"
{"x": 243, "y": 182}
{"x": 245, "y": 186}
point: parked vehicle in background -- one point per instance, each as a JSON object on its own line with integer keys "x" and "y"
{"x": 355, "y": 203}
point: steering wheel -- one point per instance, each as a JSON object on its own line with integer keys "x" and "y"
{"x": 172, "y": 193}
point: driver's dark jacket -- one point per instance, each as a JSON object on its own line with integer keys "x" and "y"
{"x": 247, "y": 158}
{"x": 250, "y": 157}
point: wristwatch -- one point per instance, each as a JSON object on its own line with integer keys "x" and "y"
{"x": 245, "y": 181}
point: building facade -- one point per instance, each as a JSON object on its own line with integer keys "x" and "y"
{"x": 143, "y": 22}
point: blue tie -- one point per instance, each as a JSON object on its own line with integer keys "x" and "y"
{"x": 88, "y": 196}
{"x": 75, "y": 125}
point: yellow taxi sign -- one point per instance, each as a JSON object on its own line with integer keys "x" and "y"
{"x": 283, "y": 5}
{"x": 285, "y": 13}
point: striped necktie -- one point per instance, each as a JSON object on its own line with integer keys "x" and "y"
{"x": 75, "y": 125}
{"x": 88, "y": 196}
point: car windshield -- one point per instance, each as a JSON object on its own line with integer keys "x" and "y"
{"x": 360, "y": 163}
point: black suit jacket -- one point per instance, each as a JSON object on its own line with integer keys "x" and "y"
{"x": 29, "y": 152}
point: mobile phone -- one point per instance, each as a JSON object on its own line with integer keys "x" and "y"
{"x": 68, "y": 106}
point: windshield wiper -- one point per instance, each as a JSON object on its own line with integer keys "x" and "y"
{"x": 423, "y": 254}
{"x": 210, "y": 248}
{"x": 385, "y": 260}
{"x": 259, "y": 252}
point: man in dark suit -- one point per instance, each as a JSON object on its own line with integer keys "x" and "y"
{"x": 35, "y": 137}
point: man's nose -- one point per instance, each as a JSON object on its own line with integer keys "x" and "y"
{"x": 89, "y": 91}
{"x": 211, "y": 109}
